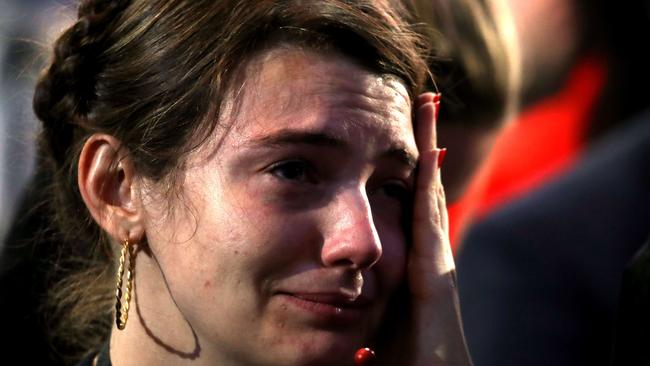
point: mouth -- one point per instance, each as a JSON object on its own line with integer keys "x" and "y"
{"x": 328, "y": 308}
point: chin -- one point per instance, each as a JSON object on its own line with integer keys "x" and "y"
{"x": 322, "y": 348}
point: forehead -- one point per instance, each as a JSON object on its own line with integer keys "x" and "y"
{"x": 301, "y": 89}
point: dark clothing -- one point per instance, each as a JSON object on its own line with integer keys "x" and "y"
{"x": 25, "y": 269}
{"x": 539, "y": 279}
{"x": 632, "y": 338}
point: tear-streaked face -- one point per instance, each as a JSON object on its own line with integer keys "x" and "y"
{"x": 289, "y": 239}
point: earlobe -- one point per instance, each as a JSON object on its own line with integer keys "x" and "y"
{"x": 107, "y": 183}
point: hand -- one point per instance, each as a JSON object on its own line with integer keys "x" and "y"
{"x": 434, "y": 333}
{"x": 439, "y": 337}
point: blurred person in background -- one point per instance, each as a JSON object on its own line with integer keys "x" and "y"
{"x": 562, "y": 203}
{"x": 479, "y": 64}
{"x": 581, "y": 69}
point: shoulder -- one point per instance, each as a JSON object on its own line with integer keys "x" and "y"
{"x": 606, "y": 197}
{"x": 590, "y": 221}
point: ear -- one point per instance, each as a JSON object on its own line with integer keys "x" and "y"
{"x": 107, "y": 183}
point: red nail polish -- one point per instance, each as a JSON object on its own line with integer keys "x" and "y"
{"x": 436, "y": 98}
{"x": 441, "y": 156}
{"x": 364, "y": 357}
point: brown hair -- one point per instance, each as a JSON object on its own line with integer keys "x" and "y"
{"x": 153, "y": 75}
{"x": 478, "y": 60}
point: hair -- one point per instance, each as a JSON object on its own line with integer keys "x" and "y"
{"x": 478, "y": 60}
{"x": 153, "y": 74}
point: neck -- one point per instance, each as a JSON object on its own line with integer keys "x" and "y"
{"x": 156, "y": 332}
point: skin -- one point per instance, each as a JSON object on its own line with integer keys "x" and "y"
{"x": 550, "y": 33}
{"x": 287, "y": 240}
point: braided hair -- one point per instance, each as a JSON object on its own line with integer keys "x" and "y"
{"x": 63, "y": 99}
{"x": 153, "y": 74}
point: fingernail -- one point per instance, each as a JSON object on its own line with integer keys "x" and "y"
{"x": 436, "y": 98}
{"x": 441, "y": 156}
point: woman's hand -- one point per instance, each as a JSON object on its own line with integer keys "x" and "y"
{"x": 433, "y": 334}
{"x": 435, "y": 310}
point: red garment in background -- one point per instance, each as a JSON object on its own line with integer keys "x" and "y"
{"x": 541, "y": 143}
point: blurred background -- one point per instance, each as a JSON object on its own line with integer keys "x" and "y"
{"x": 27, "y": 30}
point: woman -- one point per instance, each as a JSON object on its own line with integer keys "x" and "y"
{"x": 250, "y": 172}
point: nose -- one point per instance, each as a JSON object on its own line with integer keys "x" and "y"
{"x": 351, "y": 237}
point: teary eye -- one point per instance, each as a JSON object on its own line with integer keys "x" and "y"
{"x": 295, "y": 170}
{"x": 396, "y": 190}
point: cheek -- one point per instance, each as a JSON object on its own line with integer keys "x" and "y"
{"x": 392, "y": 264}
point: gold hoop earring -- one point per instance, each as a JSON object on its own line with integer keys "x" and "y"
{"x": 122, "y": 306}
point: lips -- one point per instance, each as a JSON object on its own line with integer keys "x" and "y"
{"x": 338, "y": 300}
{"x": 326, "y": 296}
{"x": 327, "y": 308}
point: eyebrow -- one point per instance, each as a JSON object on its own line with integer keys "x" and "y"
{"x": 293, "y": 137}
{"x": 403, "y": 156}
{"x": 297, "y": 137}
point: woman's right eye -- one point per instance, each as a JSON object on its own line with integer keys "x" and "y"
{"x": 292, "y": 170}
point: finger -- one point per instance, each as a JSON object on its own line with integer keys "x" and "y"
{"x": 431, "y": 252}
{"x": 442, "y": 199}
{"x": 426, "y": 116}
{"x": 433, "y": 138}
{"x": 425, "y": 127}
{"x": 424, "y": 98}
{"x": 447, "y": 259}
{"x": 427, "y": 218}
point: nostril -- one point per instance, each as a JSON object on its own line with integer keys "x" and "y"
{"x": 341, "y": 262}
{"x": 355, "y": 248}
{"x": 352, "y": 238}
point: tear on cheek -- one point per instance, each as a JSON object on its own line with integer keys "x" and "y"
{"x": 393, "y": 261}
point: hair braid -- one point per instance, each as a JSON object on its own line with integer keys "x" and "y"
{"x": 63, "y": 101}
{"x": 65, "y": 92}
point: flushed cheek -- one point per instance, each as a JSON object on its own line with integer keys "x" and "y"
{"x": 392, "y": 264}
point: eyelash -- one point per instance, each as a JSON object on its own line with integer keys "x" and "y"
{"x": 403, "y": 192}
{"x": 286, "y": 170}
{"x": 280, "y": 169}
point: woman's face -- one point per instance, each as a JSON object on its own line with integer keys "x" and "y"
{"x": 287, "y": 240}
